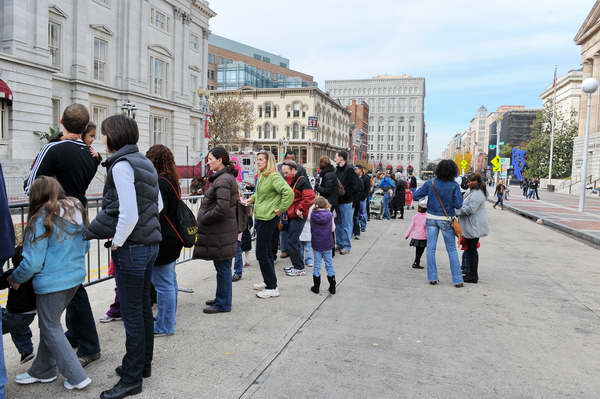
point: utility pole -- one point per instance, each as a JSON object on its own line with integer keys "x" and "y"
{"x": 552, "y": 126}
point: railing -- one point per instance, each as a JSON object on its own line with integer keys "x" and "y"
{"x": 98, "y": 256}
{"x": 579, "y": 181}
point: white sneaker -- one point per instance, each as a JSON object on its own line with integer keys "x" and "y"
{"x": 79, "y": 386}
{"x": 108, "y": 319}
{"x": 26, "y": 379}
{"x": 295, "y": 272}
{"x": 268, "y": 293}
{"x": 259, "y": 286}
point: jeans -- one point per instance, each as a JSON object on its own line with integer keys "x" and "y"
{"x": 307, "y": 252}
{"x": 433, "y": 228}
{"x": 387, "y": 198}
{"x": 470, "y": 260}
{"x": 115, "y": 308}
{"x": 265, "y": 231}
{"x": 369, "y": 208}
{"x": 164, "y": 279}
{"x": 134, "y": 264}
{"x": 343, "y": 224}
{"x": 54, "y": 351}
{"x": 362, "y": 215}
{"x": 81, "y": 326}
{"x": 295, "y": 227}
{"x": 328, "y": 259}
{"x": 283, "y": 241}
{"x": 500, "y": 201}
{"x": 17, "y": 324}
{"x": 238, "y": 262}
{"x": 224, "y": 289}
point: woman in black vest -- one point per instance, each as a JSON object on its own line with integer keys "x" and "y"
{"x": 130, "y": 207}
{"x": 217, "y": 226}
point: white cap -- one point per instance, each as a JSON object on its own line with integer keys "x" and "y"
{"x": 423, "y": 203}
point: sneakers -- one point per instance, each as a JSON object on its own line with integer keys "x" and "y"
{"x": 160, "y": 334}
{"x": 79, "y": 386}
{"x": 264, "y": 294}
{"x": 344, "y": 251}
{"x": 236, "y": 277}
{"x": 259, "y": 286}
{"x": 357, "y": 237}
{"x": 287, "y": 269}
{"x": 25, "y": 357}
{"x": 296, "y": 272}
{"x": 108, "y": 319}
{"x": 26, "y": 379}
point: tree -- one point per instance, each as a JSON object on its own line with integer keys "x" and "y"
{"x": 230, "y": 116}
{"x": 538, "y": 148}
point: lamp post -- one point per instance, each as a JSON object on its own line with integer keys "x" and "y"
{"x": 284, "y": 143}
{"x": 589, "y": 86}
{"x": 129, "y": 108}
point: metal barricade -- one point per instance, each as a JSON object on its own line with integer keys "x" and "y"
{"x": 98, "y": 256}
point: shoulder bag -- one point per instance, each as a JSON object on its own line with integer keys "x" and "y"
{"x": 453, "y": 220}
{"x": 184, "y": 226}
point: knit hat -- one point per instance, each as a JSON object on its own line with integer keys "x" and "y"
{"x": 423, "y": 203}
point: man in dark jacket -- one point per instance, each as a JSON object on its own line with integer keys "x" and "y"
{"x": 360, "y": 204}
{"x": 344, "y": 213}
{"x": 70, "y": 161}
{"x": 327, "y": 182}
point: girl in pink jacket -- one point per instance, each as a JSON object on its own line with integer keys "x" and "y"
{"x": 417, "y": 232}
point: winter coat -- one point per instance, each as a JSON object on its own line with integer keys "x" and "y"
{"x": 328, "y": 186}
{"x": 217, "y": 221}
{"x": 417, "y": 229}
{"x": 399, "y": 196}
{"x": 7, "y": 232}
{"x": 304, "y": 197}
{"x": 473, "y": 215}
{"x": 413, "y": 182}
{"x": 170, "y": 246}
{"x": 272, "y": 192}
{"x": 448, "y": 191}
{"x": 349, "y": 179}
{"x": 387, "y": 183}
{"x": 321, "y": 227}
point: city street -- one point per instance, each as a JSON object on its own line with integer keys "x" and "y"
{"x": 529, "y": 329}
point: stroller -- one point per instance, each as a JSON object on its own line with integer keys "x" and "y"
{"x": 376, "y": 204}
{"x": 408, "y": 199}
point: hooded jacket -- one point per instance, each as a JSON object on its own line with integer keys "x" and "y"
{"x": 304, "y": 197}
{"x": 321, "y": 229}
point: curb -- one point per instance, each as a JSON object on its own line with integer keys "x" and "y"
{"x": 554, "y": 225}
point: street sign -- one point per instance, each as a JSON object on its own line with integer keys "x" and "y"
{"x": 464, "y": 164}
{"x": 496, "y": 163}
{"x": 492, "y": 147}
{"x": 313, "y": 123}
{"x": 501, "y": 143}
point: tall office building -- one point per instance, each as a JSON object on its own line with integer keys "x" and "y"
{"x": 232, "y": 65}
{"x": 396, "y": 117}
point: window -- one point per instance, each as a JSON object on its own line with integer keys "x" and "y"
{"x": 158, "y": 76}
{"x": 260, "y": 111}
{"x": 54, "y": 43}
{"x": 160, "y": 20}
{"x": 295, "y": 131}
{"x": 390, "y": 147}
{"x": 194, "y": 42}
{"x": 259, "y": 132}
{"x": 274, "y": 111}
{"x": 303, "y": 132}
{"x": 380, "y": 137}
{"x": 257, "y": 57}
{"x": 266, "y": 59}
{"x": 296, "y": 109}
{"x": 56, "y": 113}
{"x": 274, "y": 132}
{"x": 268, "y": 108}
{"x": 100, "y": 57}
{"x": 401, "y": 129}
{"x": 194, "y": 88}
{"x": 3, "y": 120}
{"x": 370, "y": 147}
{"x": 267, "y": 130}
{"x": 390, "y": 138}
{"x": 99, "y": 113}
{"x": 159, "y": 130}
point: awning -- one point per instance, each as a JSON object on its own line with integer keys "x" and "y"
{"x": 5, "y": 92}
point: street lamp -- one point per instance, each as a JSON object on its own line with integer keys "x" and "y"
{"x": 589, "y": 86}
{"x": 129, "y": 108}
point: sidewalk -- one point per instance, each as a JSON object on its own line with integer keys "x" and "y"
{"x": 559, "y": 211}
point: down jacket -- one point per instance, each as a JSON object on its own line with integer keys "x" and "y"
{"x": 328, "y": 185}
{"x": 217, "y": 220}
{"x": 304, "y": 197}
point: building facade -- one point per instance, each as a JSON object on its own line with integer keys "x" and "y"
{"x": 568, "y": 94}
{"x": 396, "y": 117}
{"x": 281, "y": 122}
{"x": 359, "y": 139}
{"x": 232, "y": 65}
{"x": 103, "y": 53}
{"x": 513, "y": 128}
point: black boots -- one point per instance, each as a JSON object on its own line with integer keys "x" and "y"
{"x": 332, "y": 284}
{"x": 417, "y": 265}
{"x": 317, "y": 284}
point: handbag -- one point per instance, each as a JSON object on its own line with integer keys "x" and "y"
{"x": 453, "y": 220}
{"x": 184, "y": 226}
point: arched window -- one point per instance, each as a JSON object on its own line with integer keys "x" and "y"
{"x": 274, "y": 132}
{"x": 303, "y": 132}
{"x": 295, "y": 131}
{"x": 267, "y": 130}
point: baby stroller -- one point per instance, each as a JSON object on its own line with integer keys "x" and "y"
{"x": 408, "y": 199}
{"x": 376, "y": 204}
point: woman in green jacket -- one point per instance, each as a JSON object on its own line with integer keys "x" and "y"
{"x": 273, "y": 197}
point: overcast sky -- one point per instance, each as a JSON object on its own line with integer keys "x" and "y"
{"x": 471, "y": 52}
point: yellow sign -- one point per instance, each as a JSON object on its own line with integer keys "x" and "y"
{"x": 464, "y": 164}
{"x": 497, "y": 164}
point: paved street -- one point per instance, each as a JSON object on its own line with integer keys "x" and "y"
{"x": 528, "y": 330}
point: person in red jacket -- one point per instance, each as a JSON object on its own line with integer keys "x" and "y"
{"x": 297, "y": 213}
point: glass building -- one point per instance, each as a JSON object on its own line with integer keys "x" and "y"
{"x": 235, "y": 74}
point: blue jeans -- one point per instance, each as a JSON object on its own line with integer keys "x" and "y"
{"x": 295, "y": 227}
{"x": 134, "y": 264}
{"x": 328, "y": 258}
{"x": 433, "y": 227}
{"x": 307, "y": 252}
{"x": 362, "y": 216}
{"x": 17, "y": 324}
{"x": 238, "y": 262}
{"x": 343, "y": 226}
{"x": 164, "y": 279}
{"x": 224, "y": 290}
{"x": 387, "y": 198}
{"x": 283, "y": 241}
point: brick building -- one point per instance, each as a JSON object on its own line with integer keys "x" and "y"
{"x": 359, "y": 142}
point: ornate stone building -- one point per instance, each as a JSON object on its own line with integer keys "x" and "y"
{"x": 103, "y": 53}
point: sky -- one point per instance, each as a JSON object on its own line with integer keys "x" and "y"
{"x": 470, "y": 52}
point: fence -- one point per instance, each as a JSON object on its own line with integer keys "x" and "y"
{"x": 98, "y": 256}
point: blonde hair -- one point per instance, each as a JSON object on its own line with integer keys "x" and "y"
{"x": 322, "y": 203}
{"x": 271, "y": 164}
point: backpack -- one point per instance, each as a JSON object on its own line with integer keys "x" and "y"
{"x": 184, "y": 226}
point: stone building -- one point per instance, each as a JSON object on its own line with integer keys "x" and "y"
{"x": 396, "y": 117}
{"x": 568, "y": 93}
{"x": 282, "y": 122}
{"x": 103, "y": 53}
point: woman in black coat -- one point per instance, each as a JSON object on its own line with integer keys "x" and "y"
{"x": 328, "y": 182}
{"x": 398, "y": 200}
